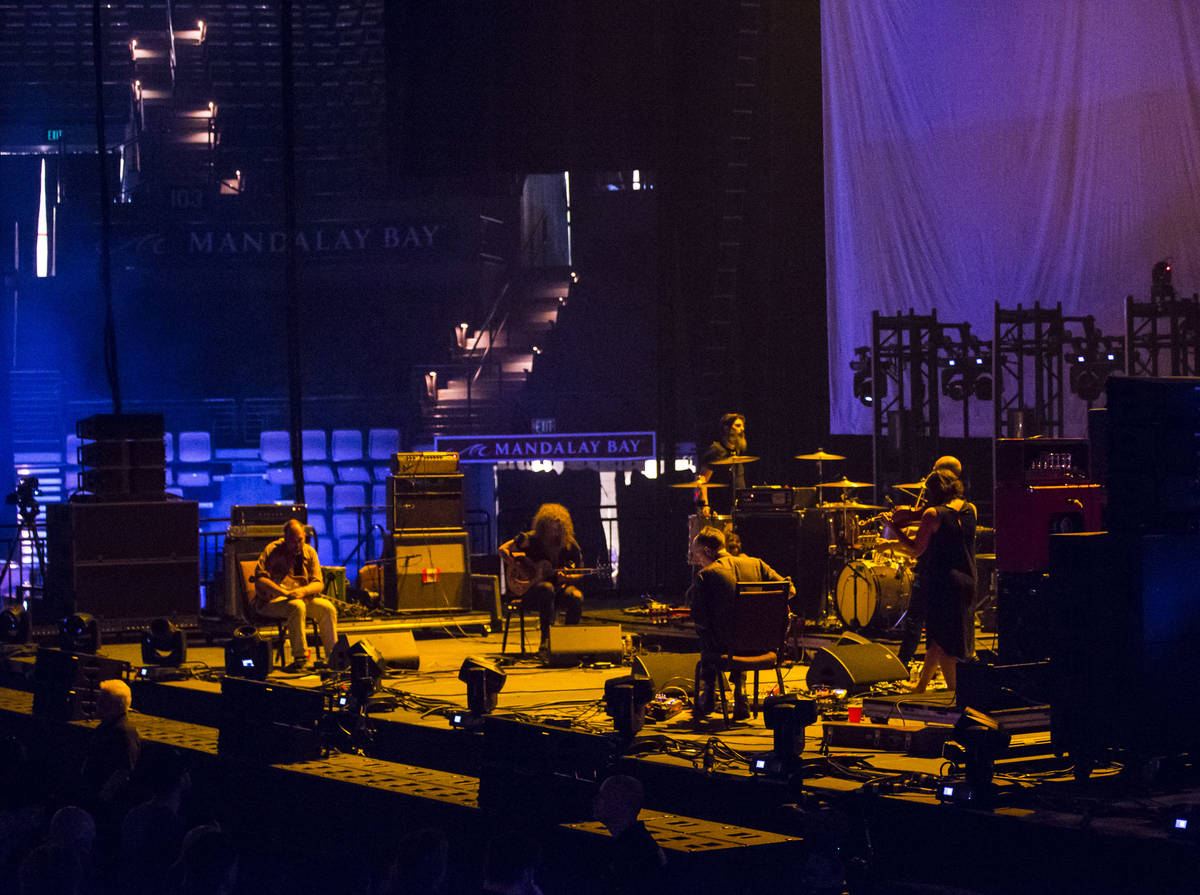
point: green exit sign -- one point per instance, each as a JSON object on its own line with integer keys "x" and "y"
{"x": 54, "y": 134}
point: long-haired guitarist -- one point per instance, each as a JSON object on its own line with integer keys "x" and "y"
{"x": 537, "y": 566}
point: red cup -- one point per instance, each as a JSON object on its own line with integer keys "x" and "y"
{"x": 854, "y": 713}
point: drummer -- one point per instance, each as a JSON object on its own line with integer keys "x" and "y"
{"x": 730, "y": 443}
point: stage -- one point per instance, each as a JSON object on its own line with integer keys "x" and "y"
{"x": 866, "y": 793}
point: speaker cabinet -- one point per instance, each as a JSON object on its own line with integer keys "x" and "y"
{"x": 796, "y": 545}
{"x": 122, "y": 560}
{"x": 427, "y": 571}
{"x": 585, "y": 644}
{"x": 854, "y": 667}
{"x": 424, "y": 502}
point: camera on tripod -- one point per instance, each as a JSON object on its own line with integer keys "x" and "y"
{"x": 25, "y": 497}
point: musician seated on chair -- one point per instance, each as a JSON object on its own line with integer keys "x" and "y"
{"x": 537, "y": 564}
{"x": 711, "y": 599}
{"x": 288, "y": 585}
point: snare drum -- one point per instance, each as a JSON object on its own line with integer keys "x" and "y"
{"x": 872, "y": 594}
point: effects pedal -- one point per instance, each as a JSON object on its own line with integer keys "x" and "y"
{"x": 663, "y": 708}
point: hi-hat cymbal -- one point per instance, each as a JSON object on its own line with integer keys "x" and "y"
{"x": 844, "y": 482}
{"x": 734, "y": 460}
{"x": 849, "y": 505}
{"x": 819, "y": 455}
{"x": 694, "y": 485}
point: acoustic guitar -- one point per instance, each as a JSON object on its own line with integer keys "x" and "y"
{"x": 522, "y": 573}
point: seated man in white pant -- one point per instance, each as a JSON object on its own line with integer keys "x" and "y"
{"x": 288, "y": 584}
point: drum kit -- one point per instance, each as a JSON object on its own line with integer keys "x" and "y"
{"x": 870, "y": 587}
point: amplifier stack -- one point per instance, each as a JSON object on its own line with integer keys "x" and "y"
{"x": 425, "y": 556}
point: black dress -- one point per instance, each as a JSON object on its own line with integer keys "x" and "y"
{"x": 946, "y": 573}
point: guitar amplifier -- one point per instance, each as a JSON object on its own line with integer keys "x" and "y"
{"x": 773, "y": 498}
{"x": 425, "y": 463}
{"x": 424, "y": 502}
{"x": 267, "y": 514}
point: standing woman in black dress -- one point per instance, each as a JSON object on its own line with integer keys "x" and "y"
{"x": 944, "y": 547}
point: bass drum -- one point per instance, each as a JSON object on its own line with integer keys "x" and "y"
{"x": 873, "y": 594}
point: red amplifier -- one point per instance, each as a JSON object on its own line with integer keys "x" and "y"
{"x": 1027, "y": 515}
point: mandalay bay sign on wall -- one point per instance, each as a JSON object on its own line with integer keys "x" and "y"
{"x": 566, "y": 447}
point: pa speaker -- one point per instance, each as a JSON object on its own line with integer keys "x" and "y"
{"x": 668, "y": 671}
{"x": 585, "y": 644}
{"x": 854, "y": 667}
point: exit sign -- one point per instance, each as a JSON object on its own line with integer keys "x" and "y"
{"x": 543, "y": 426}
{"x": 54, "y": 134}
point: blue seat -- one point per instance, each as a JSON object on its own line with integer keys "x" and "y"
{"x": 319, "y": 473}
{"x": 345, "y": 525}
{"x": 318, "y": 523}
{"x": 195, "y": 447}
{"x": 345, "y": 496}
{"x": 347, "y": 456}
{"x": 316, "y": 496}
{"x": 347, "y": 446}
{"x": 274, "y": 446}
{"x": 381, "y": 445}
{"x": 312, "y": 445}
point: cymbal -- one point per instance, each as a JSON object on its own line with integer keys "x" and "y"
{"x": 734, "y": 460}
{"x": 844, "y": 482}
{"x": 849, "y": 505}
{"x": 695, "y": 485}
{"x": 910, "y": 486}
{"x": 819, "y": 455}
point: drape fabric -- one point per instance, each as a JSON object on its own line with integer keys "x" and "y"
{"x": 1011, "y": 151}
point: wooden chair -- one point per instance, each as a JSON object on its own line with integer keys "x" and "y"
{"x": 248, "y": 566}
{"x": 760, "y": 626}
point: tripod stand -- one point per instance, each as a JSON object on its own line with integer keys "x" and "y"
{"x": 27, "y": 513}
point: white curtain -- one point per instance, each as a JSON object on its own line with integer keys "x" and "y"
{"x": 1010, "y": 151}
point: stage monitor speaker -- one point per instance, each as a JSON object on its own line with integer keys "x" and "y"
{"x": 585, "y": 644}
{"x": 398, "y": 648}
{"x": 854, "y": 667}
{"x": 674, "y": 671}
{"x": 427, "y": 571}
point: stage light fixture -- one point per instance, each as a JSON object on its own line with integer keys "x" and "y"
{"x": 431, "y": 385}
{"x": 248, "y": 655}
{"x": 367, "y": 668}
{"x": 625, "y": 701}
{"x": 79, "y": 634}
{"x": 786, "y": 716}
{"x": 164, "y": 644}
{"x": 484, "y": 679}
{"x": 978, "y": 740}
{"x": 1160, "y": 281}
{"x": 864, "y": 388}
{"x": 16, "y": 625}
